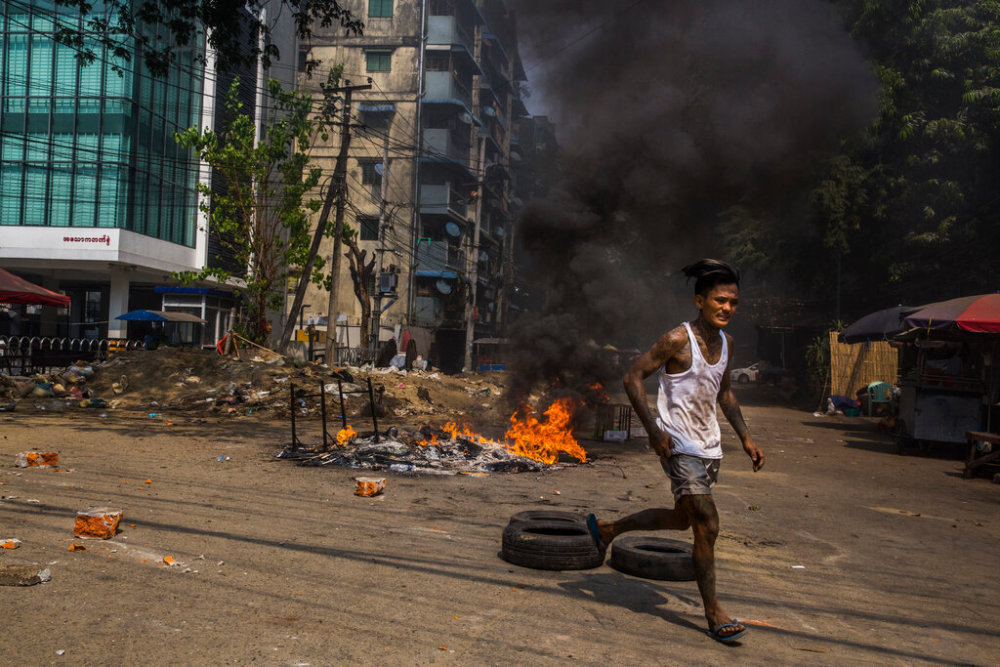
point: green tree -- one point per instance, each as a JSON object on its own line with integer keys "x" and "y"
{"x": 362, "y": 271}
{"x": 907, "y": 208}
{"x": 261, "y": 214}
{"x": 239, "y": 31}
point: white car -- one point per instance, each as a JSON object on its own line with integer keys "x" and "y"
{"x": 745, "y": 375}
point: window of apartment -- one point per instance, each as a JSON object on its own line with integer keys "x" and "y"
{"x": 369, "y": 227}
{"x": 437, "y": 61}
{"x": 378, "y": 61}
{"x": 442, "y": 7}
{"x": 369, "y": 174}
{"x": 380, "y": 9}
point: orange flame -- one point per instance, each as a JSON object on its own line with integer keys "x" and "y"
{"x": 428, "y": 443}
{"x": 345, "y": 435}
{"x": 600, "y": 393}
{"x": 545, "y": 440}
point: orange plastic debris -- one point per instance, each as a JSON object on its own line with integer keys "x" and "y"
{"x": 10, "y": 544}
{"x": 148, "y": 481}
{"x": 442, "y": 648}
{"x": 370, "y": 486}
{"x": 99, "y": 522}
{"x": 169, "y": 560}
{"x": 37, "y": 460}
{"x": 131, "y": 525}
{"x": 76, "y": 547}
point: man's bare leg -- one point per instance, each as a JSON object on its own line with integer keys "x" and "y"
{"x": 704, "y": 520}
{"x": 651, "y": 519}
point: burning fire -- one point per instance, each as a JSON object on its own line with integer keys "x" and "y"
{"x": 599, "y": 392}
{"x": 527, "y": 436}
{"x": 545, "y": 440}
{"x": 345, "y": 435}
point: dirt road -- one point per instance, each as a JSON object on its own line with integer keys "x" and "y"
{"x": 280, "y": 564}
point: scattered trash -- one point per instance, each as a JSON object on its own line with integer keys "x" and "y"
{"x": 121, "y": 386}
{"x": 98, "y": 523}
{"x": 36, "y": 460}
{"x": 33, "y": 501}
{"x": 76, "y": 547}
{"x": 169, "y": 560}
{"x": 60, "y": 652}
{"x": 11, "y": 543}
{"x": 798, "y": 567}
{"x": 153, "y": 415}
{"x": 222, "y": 457}
{"x": 370, "y": 486}
{"x": 148, "y": 481}
{"x": 23, "y": 575}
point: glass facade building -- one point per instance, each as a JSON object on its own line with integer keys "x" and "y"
{"x": 93, "y": 145}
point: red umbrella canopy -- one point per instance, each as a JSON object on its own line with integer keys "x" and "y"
{"x": 19, "y": 290}
{"x": 980, "y": 314}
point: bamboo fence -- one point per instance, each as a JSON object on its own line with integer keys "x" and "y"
{"x": 853, "y": 367}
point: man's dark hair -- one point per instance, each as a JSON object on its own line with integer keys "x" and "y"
{"x": 708, "y": 273}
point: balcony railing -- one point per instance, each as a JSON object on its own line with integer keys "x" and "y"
{"x": 439, "y": 142}
{"x": 440, "y": 256}
{"x": 441, "y": 199}
{"x": 444, "y": 86}
{"x": 447, "y": 30}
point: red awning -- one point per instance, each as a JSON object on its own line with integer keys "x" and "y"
{"x": 19, "y": 290}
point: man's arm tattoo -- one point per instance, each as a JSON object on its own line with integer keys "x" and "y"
{"x": 731, "y": 409}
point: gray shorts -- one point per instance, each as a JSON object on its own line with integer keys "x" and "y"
{"x": 691, "y": 475}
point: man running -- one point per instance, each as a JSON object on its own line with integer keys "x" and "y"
{"x": 693, "y": 365}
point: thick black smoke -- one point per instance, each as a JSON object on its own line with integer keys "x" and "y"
{"x": 669, "y": 114}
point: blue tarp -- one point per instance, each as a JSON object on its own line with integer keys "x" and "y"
{"x": 437, "y": 274}
{"x": 159, "y": 316}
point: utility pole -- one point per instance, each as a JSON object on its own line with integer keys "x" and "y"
{"x": 383, "y": 194}
{"x": 340, "y": 182}
{"x": 415, "y": 225}
{"x": 335, "y": 192}
{"x": 472, "y": 262}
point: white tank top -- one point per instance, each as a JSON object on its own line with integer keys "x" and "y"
{"x": 686, "y": 403}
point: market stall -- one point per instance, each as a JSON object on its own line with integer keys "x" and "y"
{"x": 952, "y": 389}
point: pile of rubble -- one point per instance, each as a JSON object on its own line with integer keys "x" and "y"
{"x": 186, "y": 380}
{"x": 55, "y": 391}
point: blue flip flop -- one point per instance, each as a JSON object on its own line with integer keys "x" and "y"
{"x": 725, "y": 639}
{"x": 595, "y": 533}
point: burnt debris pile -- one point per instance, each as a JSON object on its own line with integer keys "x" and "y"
{"x": 427, "y": 450}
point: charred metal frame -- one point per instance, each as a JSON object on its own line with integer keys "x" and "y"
{"x": 296, "y": 443}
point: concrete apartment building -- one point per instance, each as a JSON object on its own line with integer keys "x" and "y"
{"x": 97, "y": 201}
{"x": 432, "y": 170}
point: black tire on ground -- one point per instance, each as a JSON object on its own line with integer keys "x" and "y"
{"x": 743, "y": 378}
{"x": 652, "y": 558}
{"x": 547, "y": 515}
{"x": 550, "y": 545}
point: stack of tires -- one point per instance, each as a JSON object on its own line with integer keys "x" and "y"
{"x": 555, "y": 540}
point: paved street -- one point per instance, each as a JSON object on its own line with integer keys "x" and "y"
{"x": 283, "y": 565}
